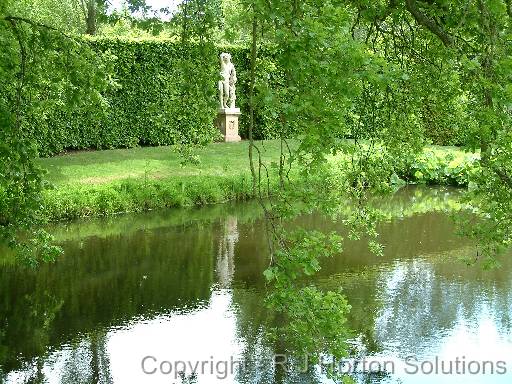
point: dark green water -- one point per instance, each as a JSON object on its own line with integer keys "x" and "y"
{"x": 187, "y": 286}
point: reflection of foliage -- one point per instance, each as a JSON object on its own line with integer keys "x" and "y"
{"x": 359, "y": 286}
{"x": 103, "y": 282}
{"x": 433, "y": 301}
{"x": 87, "y": 359}
{"x": 35, "y": 315}
{"x": 4, "y": 350}
{"x": 412, "y": 201}
{"x": 188, "y": 379}
{"x": 43, "y": 309}
{"x": 129, "y": 224}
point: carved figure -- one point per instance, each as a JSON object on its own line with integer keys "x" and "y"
{"x": 227, "y": 88}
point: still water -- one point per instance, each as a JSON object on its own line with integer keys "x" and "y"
{"x": 146, "y": 292}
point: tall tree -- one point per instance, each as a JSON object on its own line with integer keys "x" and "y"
{"x": 96, "y": 11}
{"x": 90, "y": 12}
{"x": 43, "y": 71}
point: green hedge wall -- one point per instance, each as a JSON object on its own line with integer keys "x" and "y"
{"x": 143, "y": 104}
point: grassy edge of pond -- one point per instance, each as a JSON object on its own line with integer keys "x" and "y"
{"x": 107, "y": 183}
{"x": 441, "y": 199}
{"x": 407, "y": 202}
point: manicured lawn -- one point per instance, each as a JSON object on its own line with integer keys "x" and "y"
{"x": 154, "y": 163}
{"x": 161, "y": 163}
{"x": 105, "y": 183}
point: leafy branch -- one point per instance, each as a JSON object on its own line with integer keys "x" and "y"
{"x": 36, "y": 24}
{"x": 427, "y": 22}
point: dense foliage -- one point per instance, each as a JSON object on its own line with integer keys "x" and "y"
{"x": 44, "y": 73}
{"x": 148, "y": 110}
{"x": 405, "y": 67}
{"x": 144, "y": 109}
{"x": 147, "y": 106}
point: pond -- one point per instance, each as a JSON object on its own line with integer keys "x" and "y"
{"x": 136, "y": 296}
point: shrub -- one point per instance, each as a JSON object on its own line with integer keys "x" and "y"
{"x": 147, "y": 102}
{"x": 441, "y": 167}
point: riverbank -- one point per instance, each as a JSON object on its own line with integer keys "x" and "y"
{"x": 105, "y": 183}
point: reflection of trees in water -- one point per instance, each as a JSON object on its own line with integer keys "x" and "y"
{"x": 252, "y": 322}
{"x": 409, "y": 304}
{"x": 107, "y": 280}
{"x": 101, "y": 282}
{"x": 100, "y": 362}
{"x": 252, "y": 317}
{"x": 83, "y": 361}
{"x": 423, "y": 298}
{"x": 27, "y": 320}
{"x": 255, "y": 364}
{"x": 87, "y": 361}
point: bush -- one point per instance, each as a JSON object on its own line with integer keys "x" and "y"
{"x": 161, "y": 94}
{"x": 441, "y": 167}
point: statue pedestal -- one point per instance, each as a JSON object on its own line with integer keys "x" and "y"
{"x": 227, "y": 122}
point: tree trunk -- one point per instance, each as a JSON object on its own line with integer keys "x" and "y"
{"x": 91, "y": 17}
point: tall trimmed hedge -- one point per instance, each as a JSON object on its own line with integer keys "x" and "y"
{"x": 144, "y": 103}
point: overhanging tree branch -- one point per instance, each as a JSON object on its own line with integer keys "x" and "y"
{"x": 504, "y": 176}
{"x": 15, "y": 19}
{"x": 428, "y": 23}
{"x": 23, "y": 70}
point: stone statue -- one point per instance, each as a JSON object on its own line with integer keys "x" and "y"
{"x": 227, "y": 84}
{"x": 227, "y": 117}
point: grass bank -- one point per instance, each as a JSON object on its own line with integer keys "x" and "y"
{"x": 104, "y": 183}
